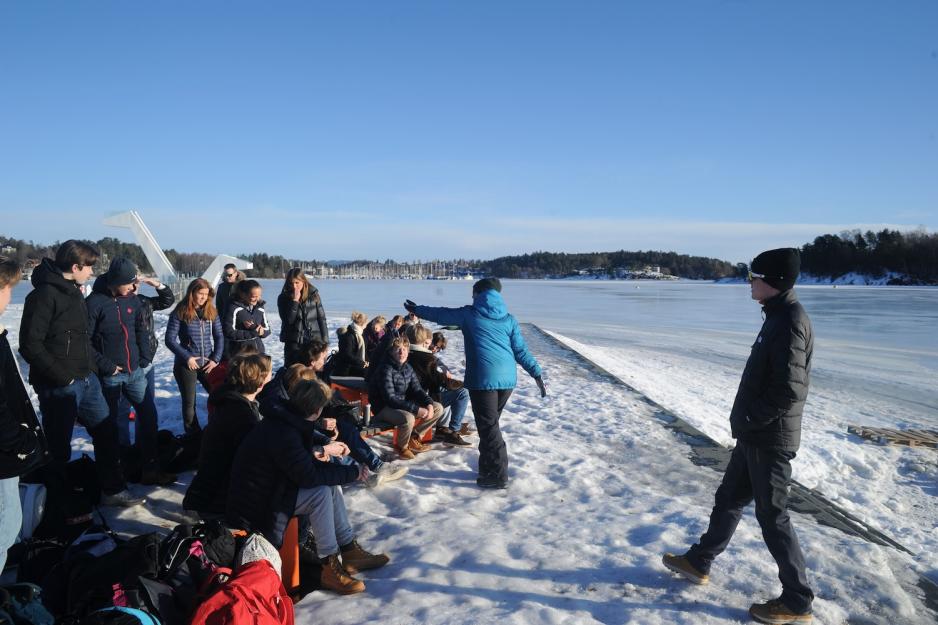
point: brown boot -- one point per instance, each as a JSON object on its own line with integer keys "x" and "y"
{"x": 334, "y": 577}
{"x": 405, "y": 453}
{"x": 416, "y": 446}
{"x": 356, "y": 559}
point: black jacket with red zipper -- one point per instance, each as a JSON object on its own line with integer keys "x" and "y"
{"x": 119, "y": 336}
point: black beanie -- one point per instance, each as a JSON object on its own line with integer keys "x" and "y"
{"x": 487, "y": 284}
{"x": 780, "y": 267}
{"x": 121, "y": 271}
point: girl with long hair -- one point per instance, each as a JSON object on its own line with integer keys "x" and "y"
{"x": 301, "y": 314}
{"x": 194, "y": 335}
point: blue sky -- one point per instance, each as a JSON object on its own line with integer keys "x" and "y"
{"x": 417, "y": 130}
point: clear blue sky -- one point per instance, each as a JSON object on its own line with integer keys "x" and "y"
{"x": 468, "y": 129}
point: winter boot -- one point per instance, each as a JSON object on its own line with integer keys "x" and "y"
{"x": 356, "y": 559}
{"x": 416, "y": 445}
{"x": 335, "y": 578}
{"x": 777, "y": 613}
{"x": 405, "y": 453}
{"x": 682, "y": 566}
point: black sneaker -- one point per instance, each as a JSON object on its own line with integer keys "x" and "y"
{"x": 491, "y": 483}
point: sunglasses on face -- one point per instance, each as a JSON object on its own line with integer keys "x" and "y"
{"x": 230, "y": 275}
{"x": 756, "y": 275}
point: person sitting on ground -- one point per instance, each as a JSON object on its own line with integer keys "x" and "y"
{"x": 279, "y": 473}
{"x": 235, "y": 413}
{"x": 372, "y": 334}
{"x": 397, "y": 398}
{"x": 350, "y": 360}
{"x": 245, "y": 320}
{"x": 194, "y": 335}
{"x": 435, "y": 382}
{"x": 339, "y": 416}
{"x": 302, "y": 318}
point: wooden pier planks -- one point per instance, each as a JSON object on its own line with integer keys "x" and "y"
{"x": 889, "y": 436}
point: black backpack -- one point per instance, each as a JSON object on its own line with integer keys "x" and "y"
{"x": 72, "y": 492}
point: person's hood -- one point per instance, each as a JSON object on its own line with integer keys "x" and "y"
{"x": 100, "y": 286}
{"x": 419, "y": 349}
{"x": 225, "y": 395}
{"x": 278, "y": 409}
{"x": 490, "y": 304}
{"x": 48, "y": 273}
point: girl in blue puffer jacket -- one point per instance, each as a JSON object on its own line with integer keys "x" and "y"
{"x": 493, "y": 345}
{"x": 194, "y": 334}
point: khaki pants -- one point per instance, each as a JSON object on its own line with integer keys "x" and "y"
{"x": 405, "y": 422}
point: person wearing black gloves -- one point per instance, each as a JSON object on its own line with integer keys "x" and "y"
{"x": 22, "y": 442}
{"x": 766, "y": 423}
{"x": 493, "y": 345}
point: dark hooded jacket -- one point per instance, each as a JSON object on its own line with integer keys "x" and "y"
{"x": 54, "y": 337}
{"x": 430, "y": 372}
{"x": 21, "y": 437}
{"x": 118, "y": 334}
{"x": 770, "y": 400}
{"x": 300, "y": 322}
{"x": 241, "y": 323}
{"x": 232, "y": 417}
{"x": 273, "y": 463}
{"x": 163, "y": 299}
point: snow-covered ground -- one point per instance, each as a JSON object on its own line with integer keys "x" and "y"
{"x": 600, "y": 490}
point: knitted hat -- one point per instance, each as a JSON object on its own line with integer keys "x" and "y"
{"x": 780, "y": 267}
{"x": 487, "y": 284}
{"x": 122, "y": 271}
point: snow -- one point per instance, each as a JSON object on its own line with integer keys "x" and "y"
{"x": 600, "y": 490}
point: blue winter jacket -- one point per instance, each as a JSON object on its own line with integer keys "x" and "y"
{"x": 117, "y": 329}
{"x": 493, "y": 341}
{"x": 199, "y": 338}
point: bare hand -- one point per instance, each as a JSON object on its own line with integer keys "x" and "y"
{"x": 328, "y": 423}
{"x": 260, "y": 331}
{"x": 192, "y": 363}
{"x": 211, "y": 364}
{"x": 423, "y": 413}
{"x": 336, "y": 449}
{"x": 151, "y": 281}
{"x": 297, "y": 292}
{"x": 117, "y": 370}
{"x": 363, "y": 473}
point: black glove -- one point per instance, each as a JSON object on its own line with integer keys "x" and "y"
{"x": 540, "y": 385}
{"x": 409, "y": 306}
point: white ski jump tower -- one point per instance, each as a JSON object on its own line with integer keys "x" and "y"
{"x": 161, "y": 265}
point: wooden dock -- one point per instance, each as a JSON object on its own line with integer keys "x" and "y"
{"x": 889, "y": 436}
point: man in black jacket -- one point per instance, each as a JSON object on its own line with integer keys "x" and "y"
{"x": 766, "y": 422}
{"x": 54, "y": 340}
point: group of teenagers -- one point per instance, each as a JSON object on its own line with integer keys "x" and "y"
{"x": 274, "y": 446}
{"x": 278, "y": 447}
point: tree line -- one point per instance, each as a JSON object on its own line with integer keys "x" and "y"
{"x": 913, "y": 255}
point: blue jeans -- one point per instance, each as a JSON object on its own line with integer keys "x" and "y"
{"x": 11, "y": 515}
{"x": 324, "y": 507}
{"x": 82, "y": 400}
{"x": 123, "y": 410}
{"x": 457, "y": 401}
{"x": 135, "y": 388}
{"x": 359, "y": 450}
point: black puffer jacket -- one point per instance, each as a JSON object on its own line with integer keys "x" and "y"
{"x": 770, "y": 400}
{"x": 163, "y": 299}
{"x": 395, "y": 385}
{"x": 20, "y": 433}
{"x": 241, "y": 323}
{"x": 273, "y": 463}
{"x": 54, "y": 337}
{"x": 301, "y": 322}
{"x": 233, "y": 416}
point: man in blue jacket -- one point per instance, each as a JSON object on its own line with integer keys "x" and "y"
{"x": 493, "y": 345}
{"x": 121, "y": 347}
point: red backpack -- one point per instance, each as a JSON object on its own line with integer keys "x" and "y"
{"x": 253, "y": 595}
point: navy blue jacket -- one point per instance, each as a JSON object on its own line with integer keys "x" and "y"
{"x": 200, "y": 338}
{"x": 395, "y": 385}
{"x": 117, "y": 328}
{"x": 273, "y": 463}
{"x": 492, "y": 338}
{"x": 241, "y": 322}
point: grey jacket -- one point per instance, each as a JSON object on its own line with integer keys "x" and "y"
{"x": 770, "y": 400}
